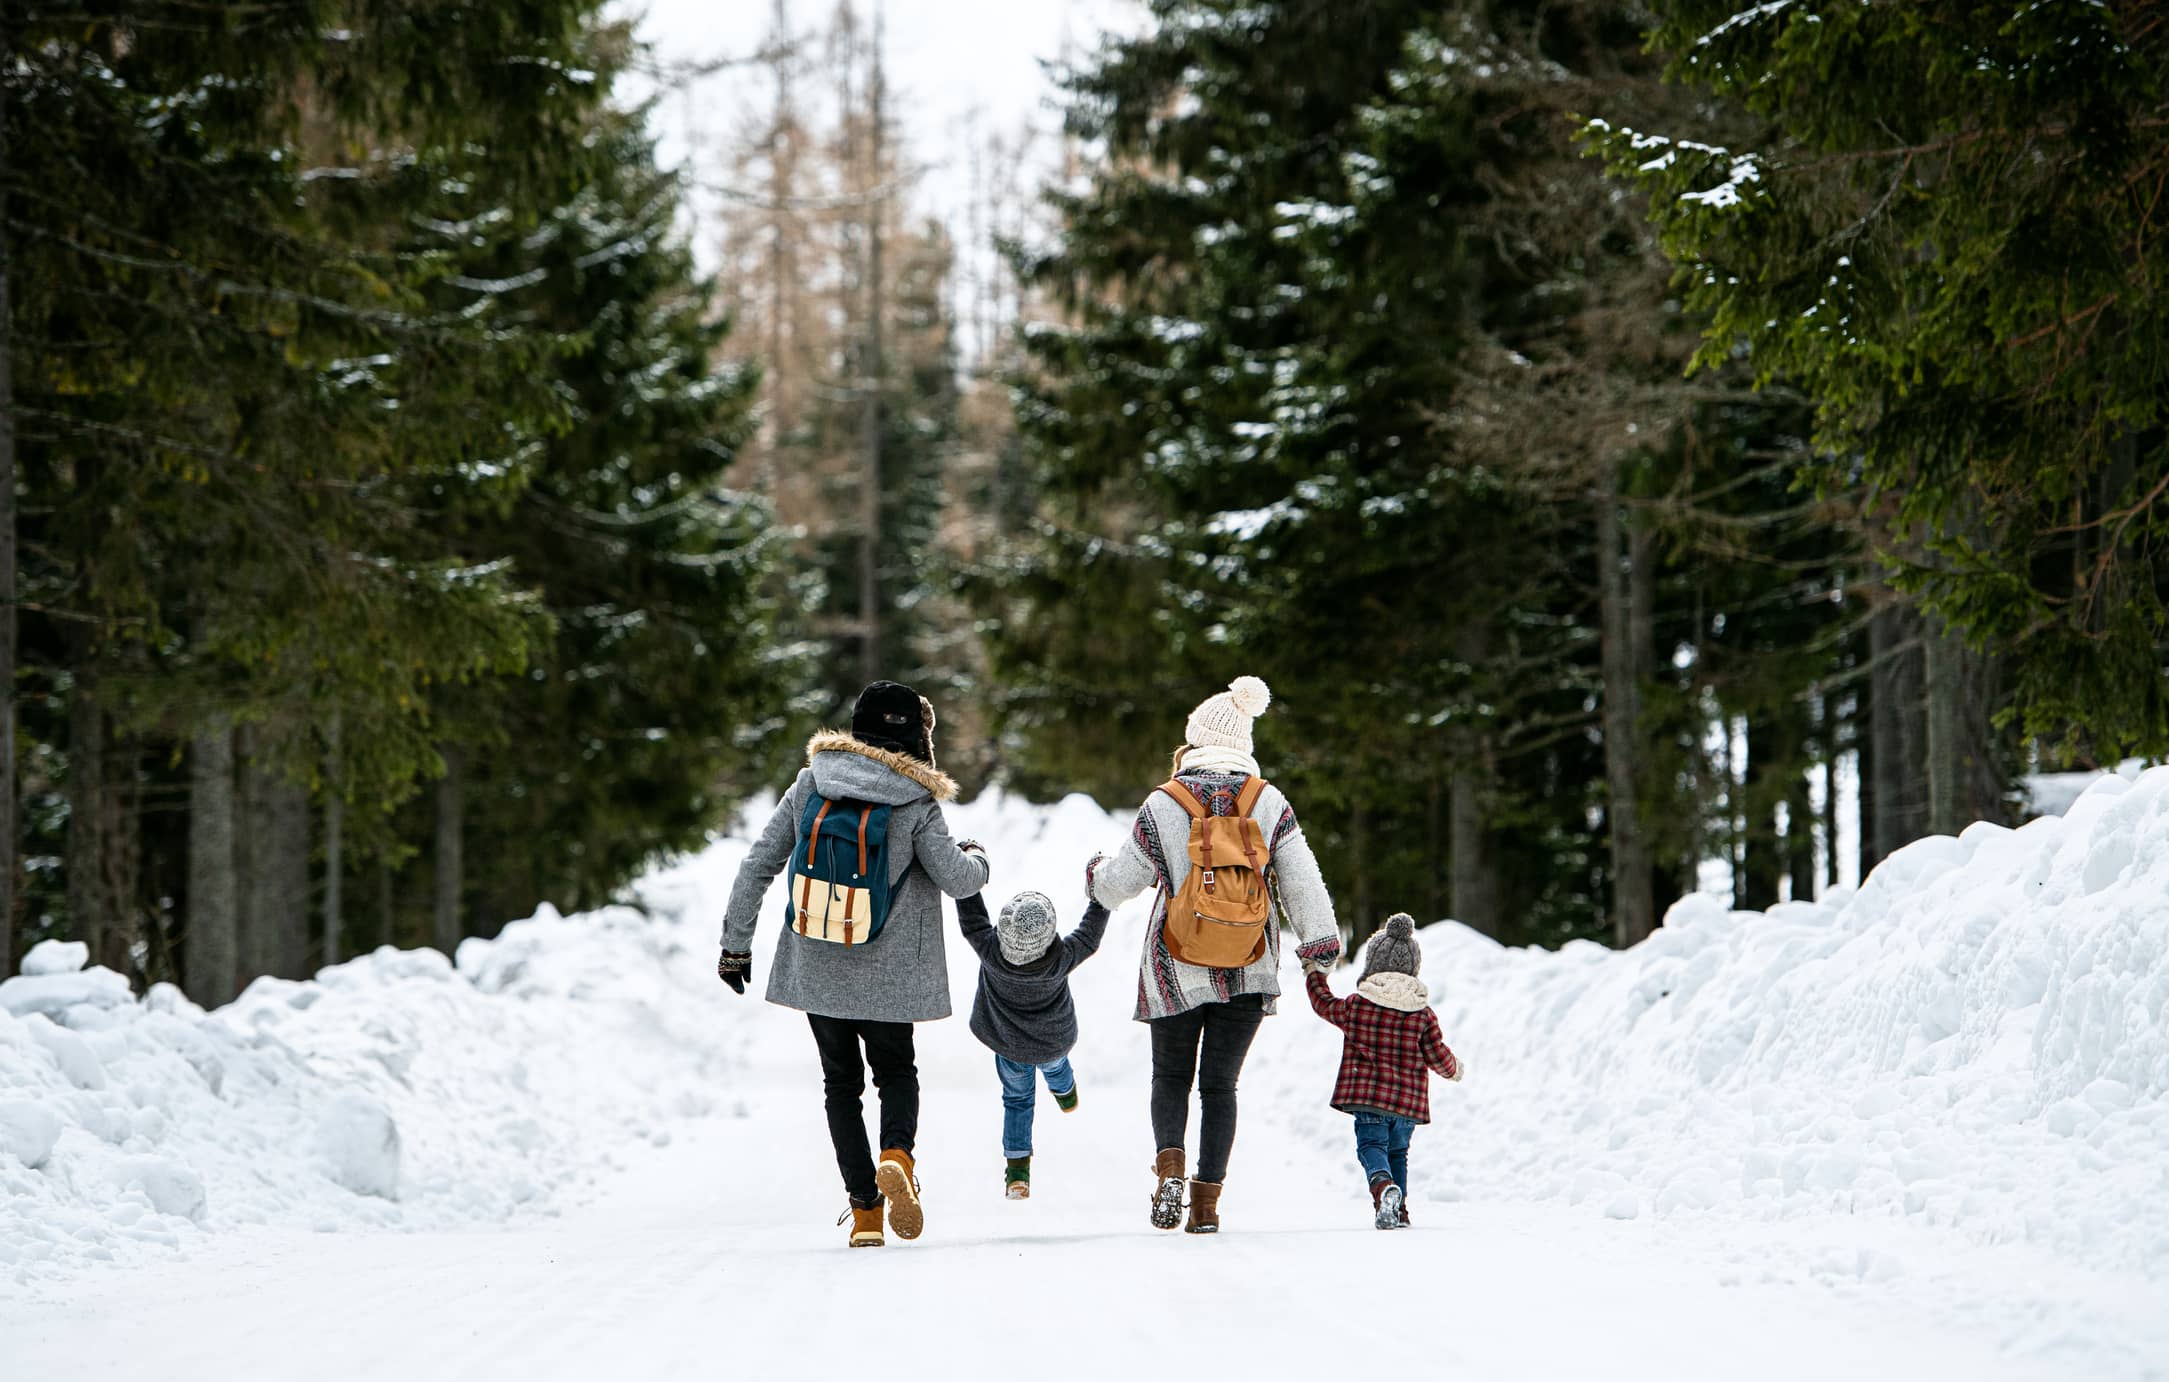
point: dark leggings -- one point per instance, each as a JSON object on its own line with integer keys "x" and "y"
{"x": 843, "y": 1080}
{"x": 1205, "y": 1045}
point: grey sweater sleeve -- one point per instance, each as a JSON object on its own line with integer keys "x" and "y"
{"x": 1125, "y": 874}
{"x": 954, "y": 871}
{"x": 1309, "y": 907}
{"x": 762, "y": 863}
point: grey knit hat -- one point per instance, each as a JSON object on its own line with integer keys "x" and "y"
{"x": 1025, "y": 927}
{"x": 1394, "y": 950}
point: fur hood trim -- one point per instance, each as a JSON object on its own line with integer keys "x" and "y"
{"x": 1403, "y": 993}
{"x": 940, "y": 784}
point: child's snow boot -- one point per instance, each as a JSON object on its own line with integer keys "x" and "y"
{"x": 1066, "y": 1099}
{"x": 1017, "y": 1180}
{"x": 1385, "y": 1202}
{"x": 899, "y": 1182}
{"x": 865, "y": 1223}
{"x": 1204, "y": 1208}
{"x": 1167, "y": 1171}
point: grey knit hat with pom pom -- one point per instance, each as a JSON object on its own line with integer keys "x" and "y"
{"x": 1025, "y": 928}
{"x": 1394, "y": 950}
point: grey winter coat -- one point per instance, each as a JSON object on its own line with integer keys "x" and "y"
{"x": 903, "y": 974}
{"x": 1024, "y": 1012}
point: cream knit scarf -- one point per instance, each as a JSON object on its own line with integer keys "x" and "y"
{"x": 1219, "y": 760}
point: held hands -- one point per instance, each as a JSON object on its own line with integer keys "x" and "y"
{"x": 1316, "y": 967}
{"x": 1092, "y": 866}
{"x": 735, "y": 970}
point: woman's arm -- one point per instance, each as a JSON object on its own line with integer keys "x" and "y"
{"x": 956, "y": 871}
{"x": 1114, "y": 881}
{"x": 760, "y": 867}
{"x": 1305, "y": 903}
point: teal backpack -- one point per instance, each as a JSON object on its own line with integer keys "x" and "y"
{"x": 840, "y": 871}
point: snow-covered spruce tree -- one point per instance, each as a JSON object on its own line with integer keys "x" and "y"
{"x": 659, "y": 688}
{"x": 225, "y": 362}
{"x": 1360, "y": 355}
{"x": 1944, "y": 228}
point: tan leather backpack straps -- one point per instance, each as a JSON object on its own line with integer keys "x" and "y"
{"x": 813, "y": 837}
{"x": 1246, "y": 801}
{"x": 1185, "y": 798}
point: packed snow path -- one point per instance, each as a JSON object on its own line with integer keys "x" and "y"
{"x": 717, "y": 1257}
{"x": 1914, "y": 1134}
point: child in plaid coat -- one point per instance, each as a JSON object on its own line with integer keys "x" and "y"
{"x": 1390, "y": 1045}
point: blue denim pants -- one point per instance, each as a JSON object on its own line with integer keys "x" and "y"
{"x": 1382, "y": 1146}
{"x": 1020, "y": 1090}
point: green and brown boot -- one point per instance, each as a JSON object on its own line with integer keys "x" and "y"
{"x": 1017, "y": 1179}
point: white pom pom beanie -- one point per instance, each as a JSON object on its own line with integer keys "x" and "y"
{"x": 1223, "y": 721}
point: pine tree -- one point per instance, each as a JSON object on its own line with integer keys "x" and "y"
{"x": 1938, "y": 225}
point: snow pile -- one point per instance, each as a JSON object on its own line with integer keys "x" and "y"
{"x": 1977, "y": 1039}
{"x": 392, "y": 1091}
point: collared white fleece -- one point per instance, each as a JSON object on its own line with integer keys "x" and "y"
{"x": 1404, "y": 993}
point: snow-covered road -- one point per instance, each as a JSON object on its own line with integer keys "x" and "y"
{"x": 1920, "y": 1133}
{"x": 715, "y": 1256}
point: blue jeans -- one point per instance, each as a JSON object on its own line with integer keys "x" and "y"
{"x": 1382, "y": 1146}
{"x": 1020, "y": 1089}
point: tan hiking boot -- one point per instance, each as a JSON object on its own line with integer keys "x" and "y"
{"x": 897, "y": 1177}
{"x": 1168, "y": 1173}
{"x": 865, "y": 1226}
{"x": 1204, "y": 1208}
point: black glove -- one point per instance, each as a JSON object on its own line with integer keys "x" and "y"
{"x": 735, "y": 970}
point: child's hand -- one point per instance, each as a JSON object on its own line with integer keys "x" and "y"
{"x": 1316, "y": 967}
{"x": 1461, "y": 1067}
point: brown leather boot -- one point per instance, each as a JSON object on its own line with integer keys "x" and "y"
{"x": 897, "y": 1176}
{"x": 1167, "y": 1171}
{"x": 865, "y": 1225}
{"x": 1204, "y": 1208}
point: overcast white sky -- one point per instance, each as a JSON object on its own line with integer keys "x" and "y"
{"x": 949, "y": 60}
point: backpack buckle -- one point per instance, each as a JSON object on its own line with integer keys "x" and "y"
{"x": 1208, "y": 880}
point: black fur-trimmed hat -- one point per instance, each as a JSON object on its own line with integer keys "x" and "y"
{"x": 890, "y": 715}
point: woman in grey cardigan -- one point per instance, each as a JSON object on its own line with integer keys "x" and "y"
{"x": 867, "y": 995}
{"x": 1202, "y": 1019}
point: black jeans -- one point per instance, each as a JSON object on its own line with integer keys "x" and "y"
{"x": 843, "y": 1080}
{"x": 1206, "y": 1044}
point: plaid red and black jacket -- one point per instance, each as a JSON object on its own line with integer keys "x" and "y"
{"x": 1387, "y": 1055}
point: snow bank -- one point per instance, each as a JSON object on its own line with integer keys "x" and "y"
{"x": 396, "y": 1090}
{"x": 1978, "y": 1038}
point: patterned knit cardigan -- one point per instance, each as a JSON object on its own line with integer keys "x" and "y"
{"x": 1158, "y": 843}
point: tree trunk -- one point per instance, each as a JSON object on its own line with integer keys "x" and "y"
{"x": 1359, "y": 865}
{"x": 95, "y": 916}
{"x": 1632, "y": 896}
{"x": 871, "y": 380}
{"x": 1944, "y": 663}
{"x": 1830, "y": 723}
{"x": 334, "y": 849}
{"x": 1901, "y": 814}
{"x": 1756, "y": 889}
{"x": 1475, "y": 866}
{"x": 289, "y": 873}
{"x": 1800, "y": 872}
{"x": 11, "y": 937}
{"x": 212, "y": 936}
{"x": 1474, "y": 897}
{"x": 1432, "y": 822}
{"x": 1864, "y": 774}
{"x": 450, "y": 879}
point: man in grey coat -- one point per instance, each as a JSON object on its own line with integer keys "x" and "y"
{"x": 862, "y": 999}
